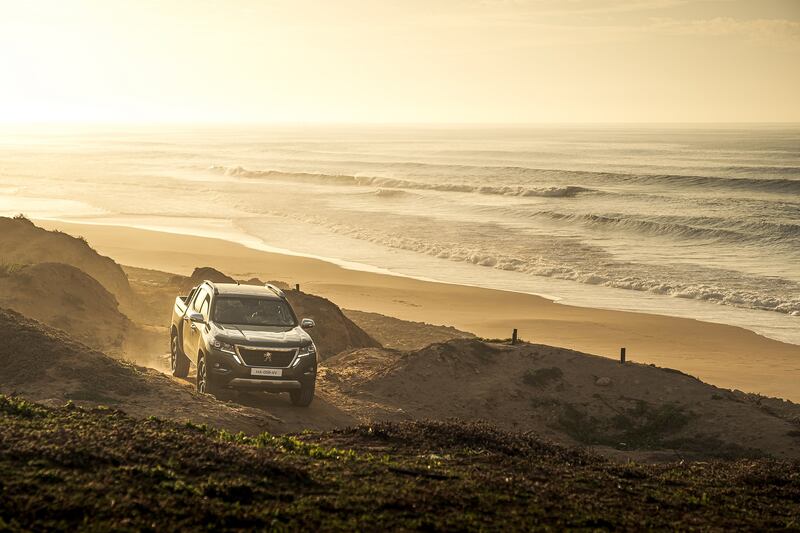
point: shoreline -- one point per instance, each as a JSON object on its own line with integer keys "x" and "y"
{"x": 778, "y": 326}
{"x": 727, "y": 356}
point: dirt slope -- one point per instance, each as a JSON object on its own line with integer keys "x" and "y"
{"x": 334, "y": 332}
{"x": 403, "y": 334}
{"x": 65, "y": 297}
{"x": 24, "y": 243}
{"x": 44, "y": 364}
{"x": 61, "y": 281}
{"x": 634, "y": 410}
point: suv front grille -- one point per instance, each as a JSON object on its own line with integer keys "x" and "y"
{"x": 268, "y": 357}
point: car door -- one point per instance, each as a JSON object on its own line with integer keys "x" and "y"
{"x": 191, "y": 330}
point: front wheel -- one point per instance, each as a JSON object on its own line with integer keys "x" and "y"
{"x": 205, "y": 384}
{"x": 178, "y": 362}
{"x": 303, "y": 396}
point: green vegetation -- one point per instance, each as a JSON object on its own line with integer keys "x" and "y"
{"x": 542, "y": 377}
{"x": 645, "y": 426}
{"x": 76, "y": 469}
{"x": 506, "y": 340}
{"x": 18, "y": 407}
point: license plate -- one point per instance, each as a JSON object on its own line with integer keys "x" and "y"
{"x": 273, "y": 372}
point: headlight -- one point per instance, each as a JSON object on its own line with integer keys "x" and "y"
{"x": 308, "y": 350}
{"x": 224, "y": 346}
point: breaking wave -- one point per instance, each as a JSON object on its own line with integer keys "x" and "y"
{"x": 390, "y": 193}
{"x": 770, "y": 185}
{"x": 394, "y": 183}
{"x": 585, "y": 264}
{"x": 716, "y": 229}
{"x": 767, "y": 185}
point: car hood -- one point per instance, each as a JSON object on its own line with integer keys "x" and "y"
{"x": 263, "y": 335}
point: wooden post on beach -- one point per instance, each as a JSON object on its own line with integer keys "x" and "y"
{"x": 514, "y": 336}
{"x": 622, "y": 356}
{"x": 297, "y": 287}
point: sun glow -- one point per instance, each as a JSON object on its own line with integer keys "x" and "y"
{"x": 360, "y": 61}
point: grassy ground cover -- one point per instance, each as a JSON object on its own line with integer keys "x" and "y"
{"x": 70, "y": 468}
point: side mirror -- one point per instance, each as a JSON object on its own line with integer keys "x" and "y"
{"x": 194, "y": 316}
{"x": 307, "y": 323}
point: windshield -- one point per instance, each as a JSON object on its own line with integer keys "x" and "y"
{"x": 253, "y": 311}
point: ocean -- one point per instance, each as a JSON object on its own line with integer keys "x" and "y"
{"x": 692, "y": 221}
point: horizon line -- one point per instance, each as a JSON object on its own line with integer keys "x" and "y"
{"x": 67, "y": 123}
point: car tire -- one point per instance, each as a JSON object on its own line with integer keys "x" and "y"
{"x": 303, "y": 396}
{"x": 178, "y": 362}
{"x": 205, "y": 381}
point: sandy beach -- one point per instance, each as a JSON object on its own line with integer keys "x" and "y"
{"x": 723, "y": 355}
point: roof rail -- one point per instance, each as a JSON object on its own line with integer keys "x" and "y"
{"x": 275, "y": 289}
{"x": 211, "y": 284}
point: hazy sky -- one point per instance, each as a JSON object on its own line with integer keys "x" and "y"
{"x": 400, "y": 61}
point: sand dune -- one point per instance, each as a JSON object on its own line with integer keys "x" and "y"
{"x": 198, "y": 276}
{"x": 45, "y": 365}
{"x": 403, "y": 334}
{"x": 24, "y": 243}
{"x": 85, "y": 294}
{"x": 336, "y": 332}
{"x": 65, "y": 297}
{"x": 625, "y": 411}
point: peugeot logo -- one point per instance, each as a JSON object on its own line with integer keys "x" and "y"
{"x": 267, "y": 357}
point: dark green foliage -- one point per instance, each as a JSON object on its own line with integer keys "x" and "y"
{"x": 542, "y": 377}
{"x": 641, "y": 426}
{"x": 76, "y": 469}
{"x": 711, "y": 446}
{"x": 472, "y": 436}
{"x": 645, "y": 426}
